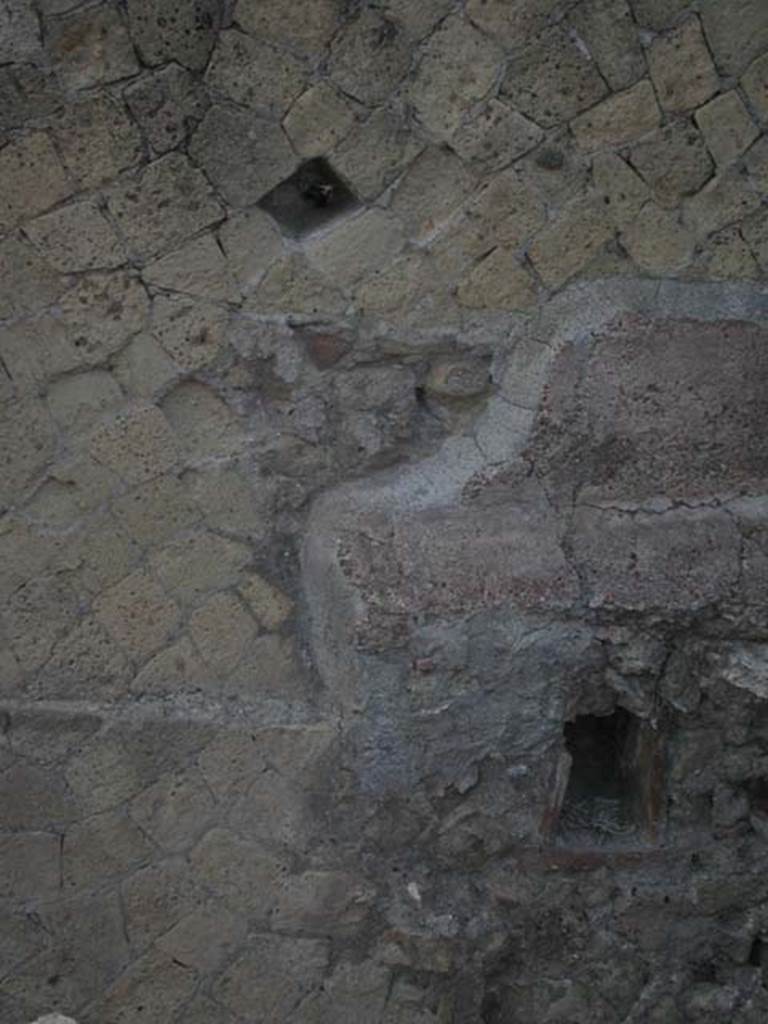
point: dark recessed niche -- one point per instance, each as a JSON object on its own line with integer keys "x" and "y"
{"x": 614, "y": 786}
{"x": 311, "y": 198}
{"x": 758, "y": 954}
{"x": 757, "y": 791}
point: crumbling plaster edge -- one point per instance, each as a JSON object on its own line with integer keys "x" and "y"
{"x": 497, "y": 440}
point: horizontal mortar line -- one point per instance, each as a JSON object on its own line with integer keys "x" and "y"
{"x": 214, "y": 711}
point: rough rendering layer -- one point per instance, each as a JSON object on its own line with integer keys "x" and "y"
{"x": 383, "y": 512}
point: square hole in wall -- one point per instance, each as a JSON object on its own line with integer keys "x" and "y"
{"x": 614, "y": 790}
{"x": 312, "y": 197}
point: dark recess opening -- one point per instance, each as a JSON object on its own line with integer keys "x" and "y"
{"x": 614, "y": 782}
{"x": 491, "y": 1009}
{"x": 757, "y": 791}
{"x": 758, "y": 957}
{"x": 312, "y": 197}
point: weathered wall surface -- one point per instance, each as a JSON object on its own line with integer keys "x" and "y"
{"x": 384, "y": 530}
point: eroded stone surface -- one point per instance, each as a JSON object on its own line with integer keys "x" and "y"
{"x": 369, "y": 57}
{"x": 737, "y": 34}
{"x": 430, "y": 191}
{"x": 76, "y": 237}
{"x": 659, "y": 241}
{"x": 182, "y": 32}
{"x": 170, "y": 202}
{"x": 33, "y": 177}
{"x": 96, "y": 140}
{"x": 167, "y": 105}
{"x": 375, "y": 153}
{"x": 306, "y": 31}
{"x": 91, "y": 47}
{"x": 499, "y": 281}
{"x": 364, "y": 242}
{"x": 553, "y": 80}
{"x": 457, "y": 68}
{"x": 632, "y": 547}
{"x": 681, "y": 67}
{"x": 254, "y": 74}
{"x": 326, "y": 559}
{"x": 571, "y": 242}
{"x": 673, "y": 161}
{"x": 319, "y": 119}
{"x": 725, "y": 199}
{"x": 27, "y": 282}
{"x": 20, "y": 32}
{"x": 244, "y": 155}
{"x": 727, "y": 127}
{"x": 496, "y": 136}
{"x": 619, "y": 119}
{"x": 610, "y": 34}
{"x": 624, "y": 191}
{"x": 755, "y": 84}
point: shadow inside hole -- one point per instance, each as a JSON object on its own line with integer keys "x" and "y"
{"x": 757, "y": 791}
{"x": 758, "y": 957}
{"x": 491, "y": 1009}
{"x": 311, "y": 198}
{"x": 614, "y": 785}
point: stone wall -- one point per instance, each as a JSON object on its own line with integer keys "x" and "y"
{"x": 384, "y": 516}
